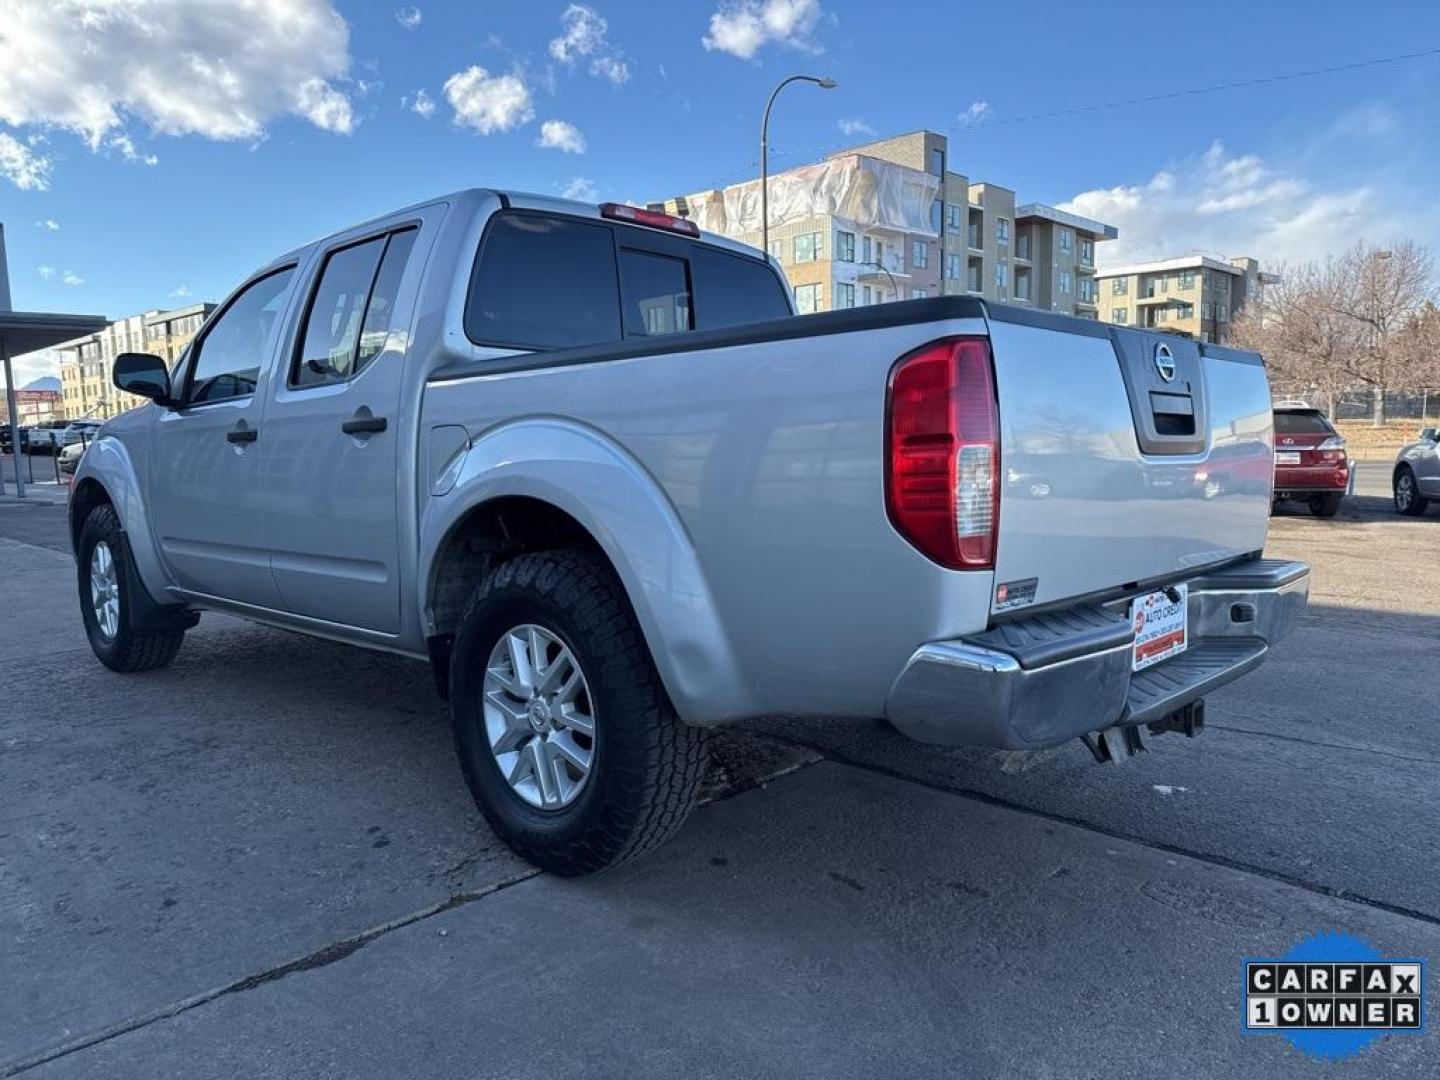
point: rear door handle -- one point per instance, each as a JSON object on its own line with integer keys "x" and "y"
{"x": 363, "y": 425}
{"x": 242, "y": 434}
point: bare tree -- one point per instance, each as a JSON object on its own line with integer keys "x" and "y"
{"x": 1365, "y": 320}
{"x": 1382, "y": 290}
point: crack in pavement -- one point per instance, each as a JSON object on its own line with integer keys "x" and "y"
{"x": 1327, "y": 745}
{"x": 322, "y": 957}
{"x": 1225, "y": 861}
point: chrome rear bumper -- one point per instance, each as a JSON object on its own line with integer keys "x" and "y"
{"x": 1040, "y": 681}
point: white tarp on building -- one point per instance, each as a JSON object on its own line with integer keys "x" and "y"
{"x": 864, "y": 190}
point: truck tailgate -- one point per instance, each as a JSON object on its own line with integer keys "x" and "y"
{"x": 1112, "y": 474}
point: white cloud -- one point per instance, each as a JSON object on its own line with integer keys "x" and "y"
{"x": 1231, "y": 205}
{"x": 561, "y": 135}
{"x": 19, "y": 164}
{"x": 179, "y": 293}
{"x": 325, "y": 107}
{"x": 582, "y": 190}
{"x": 126, "y": 146}
{"x": 488, "y": 103}
{"x": 855, "y": 127}
{"x": 422, "y": 104}
{"x": 71, "y": 278}
{"x": 184, "y": 67}
{"x": 49, "y": 224}
{"x": 408, "y": 17}
{"x": 977, "y": 113}
{"x": 584, "y": 34}
{"x": 742, "y": 27}
{"x": 45, "y": 272}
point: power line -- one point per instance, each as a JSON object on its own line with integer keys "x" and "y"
{"x": 1215, "y": 88}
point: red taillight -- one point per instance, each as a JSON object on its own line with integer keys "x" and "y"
{"x": 653, "y": 218}
{"x": 942, "y": 487}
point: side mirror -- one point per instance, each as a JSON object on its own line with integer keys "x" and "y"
{"x": 1428, "y": 434}
{"x": 143, "y": 374}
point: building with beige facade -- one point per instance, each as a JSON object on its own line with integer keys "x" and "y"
{"x": 891, "y": 220}
{"x": 1196, "y": 296}
{"x": 85, "y": 363}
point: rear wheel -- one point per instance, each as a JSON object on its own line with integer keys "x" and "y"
{"x": 566, "y": 736}
{"x": 107, "y": 600}
{"x": 1327, "y": 505}
{"x": 1408, "y": 499}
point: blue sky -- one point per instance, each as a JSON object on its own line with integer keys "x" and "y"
{"x": 153, "y": 152}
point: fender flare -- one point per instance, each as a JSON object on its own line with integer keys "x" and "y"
{"x": 108, "y": 464}
{"x": 585, "y": 474}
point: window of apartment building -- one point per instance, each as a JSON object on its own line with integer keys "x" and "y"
{"x": 972, "y": 233}
{"x": 972, "y": 276}
{"x": 1002, "y": 230}
{"x": 867, "y": 295}
{"x": 845, "y": 246}
{"x": 1119, "y": 286}
{"x": 844, "y": 295}
{"x": 952, "y": 267}
{"x": 937, "y": 162}
{"x": 807, "y": 299}
{"x": 953, "y": 220}
{"x": 920, "y": 254}
{"x": 936, "y": 212}
{"x": 1187, "y": 279}
{"x": 1120, "y": 315}
{"x": 1002, "y": 275}
{"x": 1222, "y": 313}
{"x": 1067, "y": 240}
{"x": 1022, "y": 244}
{"x": 1065, "y": 284}
{"x": 807, "y": 247}
{"x": 918, "y": 294}
{"x": 1087, "y": 252}
{"x": 777, "y": 250}
{"x": 1022, "y": 285}
{"x": 1184, "y": 311}
{"x": 1087, "y": 290}
{"x": 1162, "y": 314}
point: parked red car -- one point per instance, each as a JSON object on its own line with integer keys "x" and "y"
{"x": 1310, "y": 461}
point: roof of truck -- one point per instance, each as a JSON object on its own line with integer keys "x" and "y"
{"x": 525, "y": 200}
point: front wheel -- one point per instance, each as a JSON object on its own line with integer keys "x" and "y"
{"x": 1327, "y": 505}
{"x": 567, "y": 739}
{"x": 107, "y": 600}
{"x": 1408, "y": 499}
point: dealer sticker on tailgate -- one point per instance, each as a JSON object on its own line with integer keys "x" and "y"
{"x": 1160, "y": 625}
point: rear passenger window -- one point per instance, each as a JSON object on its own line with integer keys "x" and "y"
{"x": 656, "y": 294}
{"x": 544, "y": 283}
{"x": 349, "y": 316}
{"x": 732, "y": 290}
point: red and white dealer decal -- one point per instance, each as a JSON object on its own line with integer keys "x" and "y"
{"x": 1160, "y": 625}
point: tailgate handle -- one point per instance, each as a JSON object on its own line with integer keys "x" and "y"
{"x": 1174, "y": 413}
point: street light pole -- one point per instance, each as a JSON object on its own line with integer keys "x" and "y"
{"x": 824, "y": 84}
{"x": 894, "y": 289}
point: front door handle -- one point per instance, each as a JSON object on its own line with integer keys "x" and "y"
{"x": 363, "y": 425}
{"x": 242, "y": 434}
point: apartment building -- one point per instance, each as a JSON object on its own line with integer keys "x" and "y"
{"x": 85, "y": 363}
{"x": 1195, "y": 295}
{"x": 891, "y": 220}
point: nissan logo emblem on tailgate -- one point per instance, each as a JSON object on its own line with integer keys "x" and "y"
{"x": 1165, "y": 362}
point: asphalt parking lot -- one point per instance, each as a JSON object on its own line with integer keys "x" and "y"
{"x": 263, "y": 862}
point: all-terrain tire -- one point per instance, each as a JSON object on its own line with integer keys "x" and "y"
{"x": 124, "y": 648}
{"x": 647, "y": 763}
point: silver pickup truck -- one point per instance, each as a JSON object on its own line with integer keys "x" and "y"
{"x": 589, "y": 465}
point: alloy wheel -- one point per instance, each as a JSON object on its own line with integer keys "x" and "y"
{"x": 539, "y": 717}
{"x": 105, "y": 590}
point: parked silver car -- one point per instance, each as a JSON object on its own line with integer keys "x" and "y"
{"x": 1416, "y": 478}
{"x": 588, "y": 464}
